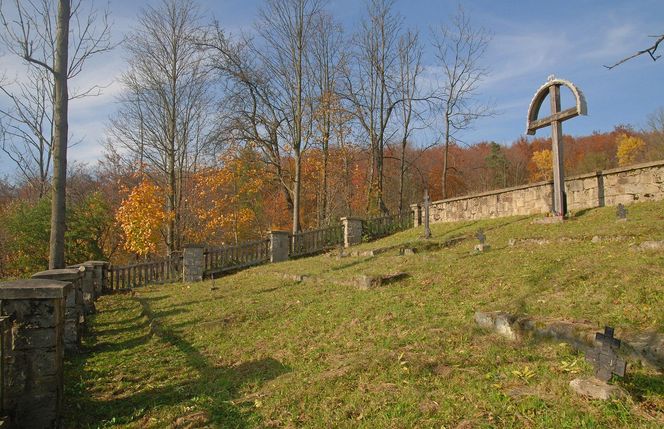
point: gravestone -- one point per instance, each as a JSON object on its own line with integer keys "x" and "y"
{"x": 605, "y": 358}
{"x": 621, "y": 212}
{"x": 606, "y": 362}
{"x": 427, "y": 204}
{"x": 555, "y": 120}
{"x": 482, "y": 246}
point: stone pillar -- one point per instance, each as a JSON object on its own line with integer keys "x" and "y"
{"x": 279, "y": 246}
{"x": 101, "y": 276}
{"x": 33, "y": 351}
{"x": 416, "y": 209}
{"x": 193, "y": 262}
{"x": 352, "y": 231}
{"x": 74, "y": 315}
{"x": 87, "y": 285}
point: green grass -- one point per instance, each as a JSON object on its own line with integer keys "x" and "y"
{"x": 260, "y": 351}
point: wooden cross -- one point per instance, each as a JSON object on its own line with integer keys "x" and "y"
{"x": 555, "y": 120}
{"x": 605, "y": 359}
{"x": 427, "y": 230}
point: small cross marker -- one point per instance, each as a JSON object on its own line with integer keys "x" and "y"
{"x": 605, "y": 359}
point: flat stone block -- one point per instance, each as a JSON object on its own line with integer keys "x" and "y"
{"x": 497, "y": 321}
{"x": 64, "y": 274}
{"x": 549, "y": 220}
{"x": 596, "y": 389}
{"x": 38, "y": 313}
{"x": 365, "y": 282}
{"x": 26, "y": 339}
{"x": 34, "y": 289}
{"x": 479, "y": 248}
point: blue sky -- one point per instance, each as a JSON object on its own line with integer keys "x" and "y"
{"x": 531, "y": 40}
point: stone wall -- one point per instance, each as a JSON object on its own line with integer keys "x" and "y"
{"x": 642, "y": 182}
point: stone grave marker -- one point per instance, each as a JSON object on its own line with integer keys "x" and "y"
{"x": 621, "y": 212}
{"x": 555, "y": 120}
{"x": 605, "y": 358}
{"x": 606, "y": 362}
{"x": 427, "y": 203}
{"x": 482, "y": 246}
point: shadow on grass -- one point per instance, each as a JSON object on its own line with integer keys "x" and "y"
{"x": 218, "y": 385}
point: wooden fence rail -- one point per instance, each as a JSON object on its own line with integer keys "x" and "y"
{"x": 229, "y": 258}
{"x": 144, "y": 273}
{"x": 316, "y": 240}
{"x": 385, "y": 225}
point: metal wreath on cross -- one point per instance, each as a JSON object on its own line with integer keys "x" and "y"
{"x": 555, "y": 119}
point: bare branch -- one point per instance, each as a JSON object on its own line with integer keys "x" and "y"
{"x": 650, "y": 51}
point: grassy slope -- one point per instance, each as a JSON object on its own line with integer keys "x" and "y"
{"x": 261, "y": 351}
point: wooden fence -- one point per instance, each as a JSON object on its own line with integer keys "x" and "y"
{"x": 144, "y": 273}
{"x": 315, "y": 240}
{"x": 378, "y": 227}
{"x": 230, "y": 258}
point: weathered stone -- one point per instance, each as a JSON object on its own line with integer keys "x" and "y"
{"x": 596, "y": 389}
{"x": 652, "y": 245}
{"x": 193, "y": 263}
{"x": 549, "y": 220}
{"x": 34, "y": 289}
{"x": 497, "y": 321}
{"x": 87, "y": 286}
{"x": 26, "y": 339}
{"x": 365, "y": 282}
{"x": 352, "y": 231}
{"x": 637, "y": 183}
{"x": 279, "y": 246}
{"x": 480, "y": 248}
{"x": 33, "y": 352}
{"x": 37, "y": 313}
{"x": 407, "y": 251}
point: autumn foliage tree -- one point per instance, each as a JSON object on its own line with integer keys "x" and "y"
{"x": 142, "y": 218}
{"x": 227, "y": 200}
{"x": 542, "y": 165}
{"x": 630, "y": 149}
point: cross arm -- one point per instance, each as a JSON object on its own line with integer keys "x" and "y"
{"x": 560, "y": 116}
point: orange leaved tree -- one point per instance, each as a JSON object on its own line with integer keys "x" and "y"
{"x": 142, "y": 217}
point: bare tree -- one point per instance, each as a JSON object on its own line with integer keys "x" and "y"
{"x": 287, "y": 28}
{"x": 251, "y": 112}
{"x": 410, "y": 68}
{"x": 28, "y": 127}
{"x": 371, "y": 88}
{"x": 59, "y": 43}
{"x": 651, "y": 51}
{"x": 164, "y": 112}
{"x": 326, "y": 64}
{"x": 459, "y": 48}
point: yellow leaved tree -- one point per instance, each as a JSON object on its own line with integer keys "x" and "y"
{"x": 541, "y": 167}
{"x": 142, "y": 216}
{"x": 630, "y": 149}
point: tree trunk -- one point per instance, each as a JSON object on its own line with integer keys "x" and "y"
{"x": 445, "y": 155}
{"x": 296, "y": 195}
{"x": 56, "y": 257}
{"x": 402, "y": 172}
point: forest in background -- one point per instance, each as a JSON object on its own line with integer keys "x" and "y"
{"x": 118, "y": 213}
{"x": 220, "y": 138}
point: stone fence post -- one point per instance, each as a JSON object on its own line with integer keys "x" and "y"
{"x": 33, "y": 351}
{"x": 74, "y": 315}
{"x": 279, "y": 246}
{"x": 416, "y": 209}
{"x": 193, "y": 262}
{"x": 352, "y": 231}
{"x": 87, "y": 285}
{"x": 100, "y": 276}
